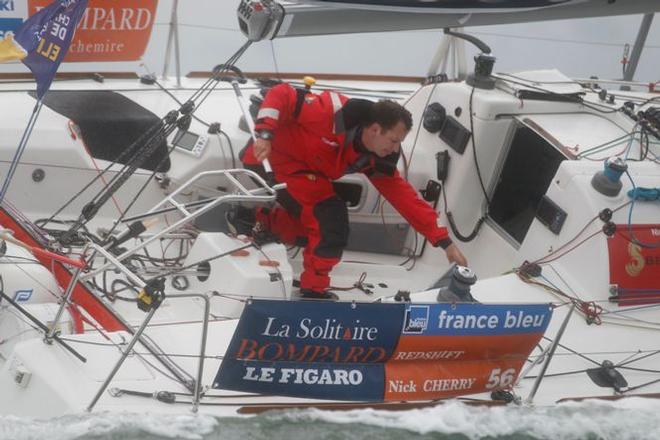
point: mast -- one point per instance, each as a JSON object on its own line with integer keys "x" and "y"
{"x": 173, "y": 37}
{"x": 642, "y": 34}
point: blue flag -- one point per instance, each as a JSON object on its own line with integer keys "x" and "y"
{"x": 44, "y": 39}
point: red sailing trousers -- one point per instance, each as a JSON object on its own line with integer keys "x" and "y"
{"x": 313, "y": 214}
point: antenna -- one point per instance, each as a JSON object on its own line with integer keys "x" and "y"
{"x": 173, "y": 36}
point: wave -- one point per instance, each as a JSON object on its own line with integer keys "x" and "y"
{"x": 629, "y": 419}
{"x": 108, "y": 426}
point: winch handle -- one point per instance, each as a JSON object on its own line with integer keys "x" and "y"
{"x": 270, "y": 176}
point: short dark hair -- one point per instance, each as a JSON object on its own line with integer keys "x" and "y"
{"x": 389, "y": 113}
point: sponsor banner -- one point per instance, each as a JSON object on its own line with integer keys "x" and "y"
{"x": 12, "y": 13}
{"x": 7, "y": 6}
{"x": 463, "y": 348}
{"x": 12, "y": 8}
{"x": 116, "y": 30}
{"x": 363, "y": 382}
{"x": 634, "y": 268}
{"x": 474, "y": 319}
{"x": 376, "y": 352}
{"x": 437, "y": 380}
{"x": 9, "y": 25}
{"x": 449, "y": 350}
{"x": 305, "y": 331}
{"x": 330, "y": 350}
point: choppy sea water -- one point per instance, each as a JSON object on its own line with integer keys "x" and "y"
{"x": 633, "y": 419}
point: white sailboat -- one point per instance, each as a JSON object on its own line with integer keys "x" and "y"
{"x": 548, "y": 184}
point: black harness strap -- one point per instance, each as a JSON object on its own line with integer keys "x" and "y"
{"x": 300, "y": 100}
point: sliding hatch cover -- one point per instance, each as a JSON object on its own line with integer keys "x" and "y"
{"x": 109, "y": 123}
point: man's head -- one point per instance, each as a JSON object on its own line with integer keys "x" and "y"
{"x": 387, "y": 127}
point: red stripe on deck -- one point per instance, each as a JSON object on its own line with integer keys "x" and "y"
{"x": 81, "y": 295}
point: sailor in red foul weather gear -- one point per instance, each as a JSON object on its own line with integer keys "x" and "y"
{"x": 313, "y": 139}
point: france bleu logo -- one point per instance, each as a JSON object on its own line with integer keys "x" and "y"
{"x": 416, "y": 319}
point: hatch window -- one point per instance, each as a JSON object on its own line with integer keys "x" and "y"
{"x": 529, "y": 167}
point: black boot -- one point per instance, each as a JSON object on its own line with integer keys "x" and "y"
{"x": 240, "y": 220}
{"x": 313, "y": 294}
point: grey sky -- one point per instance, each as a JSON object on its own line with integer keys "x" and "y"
{"x": 579, "y": 48}
{"x": 209, "y": 35}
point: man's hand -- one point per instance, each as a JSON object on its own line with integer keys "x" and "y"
{"x": 262, "y": 149}
{"x": 454, "y": 255}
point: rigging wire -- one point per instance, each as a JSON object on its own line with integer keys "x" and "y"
{"x": 204, "y": 123}
{"x": 543, "y": 259}
{"x": 484, "y": 216}
{"x": 272, "y": 52}
{"x": 152, "y": 138}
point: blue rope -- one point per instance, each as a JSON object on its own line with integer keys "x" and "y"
{"x": 644, "y": 194}
{"x": 641, "y": 194}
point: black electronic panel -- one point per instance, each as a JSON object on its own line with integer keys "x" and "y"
{"x": 455, "y": 135}
{"x": 551, "y": 215}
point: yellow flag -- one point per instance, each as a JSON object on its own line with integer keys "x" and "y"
{"x": 10, "y": 50}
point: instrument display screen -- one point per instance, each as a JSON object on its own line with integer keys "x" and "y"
{"x": 186, "y": 140}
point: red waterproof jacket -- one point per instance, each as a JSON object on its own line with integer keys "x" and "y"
{"x": 316, "y": 135}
